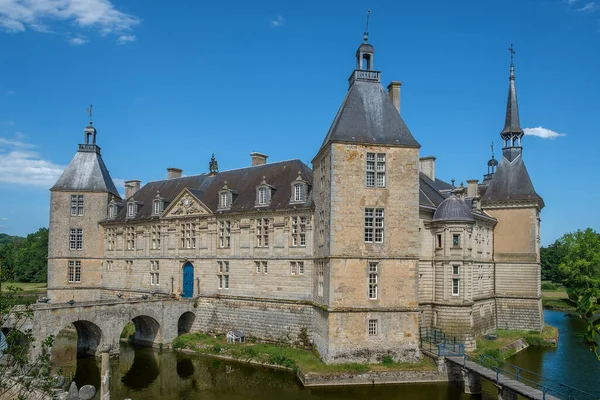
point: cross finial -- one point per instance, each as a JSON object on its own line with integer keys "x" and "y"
{"x": 492, "y": 147}
{"x": 512, "y": 54}
{"x": 89, "y": 110}
{"x": 366, "y": 36}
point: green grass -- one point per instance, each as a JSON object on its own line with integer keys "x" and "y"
{"x": 128, "y": 331}
{"x": 556, "y": 300}
{"x": 506, "y": 337}
{"x": 25, "y": 287}
{"x": 286, "y": 356}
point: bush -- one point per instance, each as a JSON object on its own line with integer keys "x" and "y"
{"x": 387, "y": 360}
{"x": 549, "y": 286}
{"x": 537, "y": 341}
{"x": 282, "y": 360}
{"x": 216, "y": 349}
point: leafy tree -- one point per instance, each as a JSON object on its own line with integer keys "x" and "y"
{"x": 31, "y": 258}
{"x": 8, "y": 248}
{"x": 588, "y": 308}
{"x": 580, "y": 265}
{"x": 551, "y": 257}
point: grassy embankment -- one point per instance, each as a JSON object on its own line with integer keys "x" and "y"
{"x": 286, "y": 356}
{"x": 27, "y": 293}
{"x": 554, "y": 297}
{"x": 546, "y": 338}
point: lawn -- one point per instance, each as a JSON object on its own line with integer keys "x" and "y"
{"x": 556, "y": 300}
{"x": 26, "y": 287}
{"x": 506, "y": 337}
{"x": 287, "y": 356}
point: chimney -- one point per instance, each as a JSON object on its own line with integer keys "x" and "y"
{"x": 394, "y": 93}
{"x": 472, "y": 188}
{"x": 173, "y": 173}
{"x": 131, "y": 187}
{"x": 427, "y": 166}
{"x": 258, "y": 158}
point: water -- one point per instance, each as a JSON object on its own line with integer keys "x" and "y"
{"x": 146, "y": 373}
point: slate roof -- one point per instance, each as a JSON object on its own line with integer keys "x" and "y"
{"x": 512, "y": 124}
{"x": 511, "y": 182}
{"x": 367, "y": 115}
{"x": 429, "y": 191}
{"x": 453, "y": 209}
{"x": 86, "y": 173}
{"x": 242, "y": 182}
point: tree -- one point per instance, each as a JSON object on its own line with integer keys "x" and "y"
{"x": 20, "y": 377}
{"x": 588, "y": 308}
{"x": 580, "y": 265}
{"x": 551, "y": 257}
{"x": 30, "y": 264}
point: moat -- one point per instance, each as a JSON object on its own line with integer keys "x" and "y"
{"x": 146, "y": 373}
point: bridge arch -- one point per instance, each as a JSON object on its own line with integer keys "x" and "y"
{"x": 185, "y": 322}
{"x": 147, "y": 330}
{"x": 89, "y": 336}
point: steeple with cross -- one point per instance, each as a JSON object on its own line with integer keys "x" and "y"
{"x": 512, "y": 132}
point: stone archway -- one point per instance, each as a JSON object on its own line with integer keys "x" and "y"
{"x": 89, "y": 337}
{"x": 185, "y": 322}
{"x": 147, "y": 330}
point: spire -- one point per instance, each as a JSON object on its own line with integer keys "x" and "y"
{"x": 512, "y": 132}
{"x": 89, "y": 130}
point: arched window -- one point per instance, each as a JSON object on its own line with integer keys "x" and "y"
{"x": 131, "y": 209}
{"x": 112, "y": 211}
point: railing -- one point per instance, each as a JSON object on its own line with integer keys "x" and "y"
{"x": 437, "y": 341}
{"x": 546, "y": 385}
{"x": 89, "y": 148}
{"x": 364, "y": 75}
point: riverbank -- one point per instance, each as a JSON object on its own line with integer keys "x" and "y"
{"x": 508, "y": 343}
{"x": 556, "y": 299}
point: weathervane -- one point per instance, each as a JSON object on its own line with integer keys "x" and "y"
{"x": 89, "y": 110}
{"x": 492, "y": 147}
{"x": 366, "y": 36}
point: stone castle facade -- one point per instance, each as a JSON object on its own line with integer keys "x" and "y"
{"x": 353, "y": 254}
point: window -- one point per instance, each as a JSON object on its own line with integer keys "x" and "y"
{"x": 224, "y": 201}
{"x": 76, "y": 205}
{"x": 128, "y": 265}
{"x": 110, "y": 265}
{"x": 131, "y": 209}
{"x": 110, "y": 239}
{"x": 76, "y": 239}
{"x": 112, "y": 211}
{"x": 224, "y": 234}
{"x": 321, "y": 227}
{"x": 130, "y": 238}
{"x": 455, "y": 286}
{"x": 439, "y": 241}
{"x": 262, "y": 232}
{"x": 375, "y": 170}
{"x": 322, "y": 175}
{"x": 262, "y": 196}
{"x": 264, "y": 267}
{"x": 157, "y": 207}
{"x": 373, "y": 327}
{"x": 187, "y": 235}
{"x": 373, "y": 280}
{"x": 261, "y": 266}
{"x": 74, "y": 272}
{"x": 299, "y": 192}
{"x": 223, "y": 274}
{"x": 320, "y": 277}
{"x": 154, "y": 273}
{"x": 374, "y": 225}
{"x": 456, "y": 240}
{"x": 155, "y": 236}
{"x": 455, "y": 269}
{"x": 297, "y": 267}
{"x": 298, "y": 231}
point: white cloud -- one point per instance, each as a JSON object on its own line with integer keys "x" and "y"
{"x": 10, "y": 92}
{"x": 123, "y": 39}
{"x": 78, "y": 41}
{"x": 543, "y": 133}
{"x": 277, "y": 22}
{"x": 571, "y": 1}
{"x": 21, "y": 165}
{"x": 588, "y": 8}
{"x": 101, "y": 15}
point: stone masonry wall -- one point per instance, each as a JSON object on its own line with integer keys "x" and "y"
{"x": 520, "y": 314}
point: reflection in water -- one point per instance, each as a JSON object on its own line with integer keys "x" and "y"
{"x": 144, "y": 370}
{"x": 185, "y": 367}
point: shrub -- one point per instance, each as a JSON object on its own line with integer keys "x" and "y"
{"x": 282, "y": 360}
{"x": 387, "y": 360}
{"x": 216, "y": 349}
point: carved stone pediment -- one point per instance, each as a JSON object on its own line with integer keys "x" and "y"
{"x": 186, "y": 205}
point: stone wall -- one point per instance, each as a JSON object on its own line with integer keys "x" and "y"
{"x": 520, "y": 313}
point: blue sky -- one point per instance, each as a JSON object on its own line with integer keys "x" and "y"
{"x": 174, "y": 82}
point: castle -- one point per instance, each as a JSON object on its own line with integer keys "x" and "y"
{"x": 355, "y": 253}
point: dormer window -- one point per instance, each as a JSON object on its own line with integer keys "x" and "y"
{"x": 157, "y": 207}
{"x": 299, "y": 190}
{"x": 112, "y": 211}
{"x": 131, "y": 209}
{"x": 225, "y": 202}
{"x": 225, "y": 197}
{"x": 264, "y": 193}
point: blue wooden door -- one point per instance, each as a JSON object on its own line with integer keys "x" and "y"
{"x": 188, "y": 280}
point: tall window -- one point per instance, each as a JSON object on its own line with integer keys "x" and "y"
{"x": 76, "y": 205}
{"x": 110, "y": 265}
{"x": 297, "y": 267}
{"x": 110, "y": 239}
{"x": 455, "y": 280}
{"x": 320, "y": 277}
{"x": 224, "y": 234}
{"x": 299, "y": 192}
{"x": 456, "y": 240}
{"x": 322, "y": 176}
{"x": 261, "y": 266}
{"x": 154, "y": 273}
{"x": 131, "y": 209}
{"x": 224, "y": 200}
{"x": 438, "y": 241}
{"x": 263, "y": 199}
{"x": 223, "y": 274}
{"x": 373, "y": 280}
{"x": 76, "y": 239}
{"x": 155, "y": 236}
{"x": 157, "y": 207}
{"x": 321, "y": 227}
{"x": 373, "y": 327}
{"x": 262, "y": 232}
{"x": 375, "y": 170}
{"x": 112, "y": 211}
{"x": 187, "y": 235}
{"x": 298, "y": 231}
{"x": 74, "y": 272}
{"x": 374, "y": 225}
{"x": 130, "y": 238}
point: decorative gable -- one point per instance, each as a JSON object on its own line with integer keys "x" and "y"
{"x": 186, "y": 204}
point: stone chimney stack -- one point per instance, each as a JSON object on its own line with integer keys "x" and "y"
{"x": 258, "y": 158}
{"x": 173, "y": 173}
{"x": 427, "y": 166}
{"x": 131, "y": 187}
{"x": 394, "y": 93}
{"x": 472, "y": 188}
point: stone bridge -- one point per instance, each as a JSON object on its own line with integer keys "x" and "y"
{"x": 99, "y": 323}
